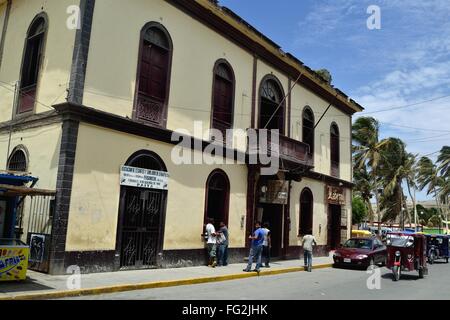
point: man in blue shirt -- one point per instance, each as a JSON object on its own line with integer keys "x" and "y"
{"x": 256, "y": 249}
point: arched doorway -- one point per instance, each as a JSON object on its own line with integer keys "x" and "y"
{"x": 306, "y": 212}
{"x": 141, "y": 218}
{"x": 272, "y": 105}
{"x": 217, "y": 197}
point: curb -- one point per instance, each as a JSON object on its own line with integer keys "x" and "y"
{"x": 153, "y": 285}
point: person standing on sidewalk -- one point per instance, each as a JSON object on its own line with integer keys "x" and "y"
{"x": 256, "y": 249}
{"x": 223, "y": 245}
{"x": 308, "y": 242}
{"x": 211, "y": 241}
{"x": 266, "y": 245}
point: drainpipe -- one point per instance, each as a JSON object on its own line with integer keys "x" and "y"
{"x": 14, "y": 108}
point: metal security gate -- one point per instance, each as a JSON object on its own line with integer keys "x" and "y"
{"x": 39, "y": 230}
{"x": 141, "y": 229}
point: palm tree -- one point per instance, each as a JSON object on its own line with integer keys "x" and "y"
{"x": 393, "y": 170}
{"x": 411, "y": 171}
{"x": 444, "y": 161}
{"x": 429, "y": 178}
{"x": 444, "y": 168}
{"x": 368, "y": 152}
{"x": 363, "y": 188}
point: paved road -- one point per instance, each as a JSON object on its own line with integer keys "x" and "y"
{"x": 325, "y": 284}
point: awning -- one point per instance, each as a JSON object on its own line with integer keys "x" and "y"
{"x": 15, "y": 178}
{"x": 13, "y": 191}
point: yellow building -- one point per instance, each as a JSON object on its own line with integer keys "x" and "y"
{"x": 95, "y": 98}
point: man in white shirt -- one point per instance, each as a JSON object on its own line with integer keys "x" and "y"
{"x": 211, "y": 241}
{"x": 308, "y": 242}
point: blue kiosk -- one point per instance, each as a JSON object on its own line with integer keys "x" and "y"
{"x": 14, "y": 254}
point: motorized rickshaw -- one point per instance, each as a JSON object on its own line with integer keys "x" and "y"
{"x": 406, "y": 252}
{"x": 437, "y": 247}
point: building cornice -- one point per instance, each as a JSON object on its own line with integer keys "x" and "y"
{"x": 79, "y": 113}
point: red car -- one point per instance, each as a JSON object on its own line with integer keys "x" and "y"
{"x": 362, "y": 252}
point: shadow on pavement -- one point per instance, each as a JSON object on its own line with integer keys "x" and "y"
{"x": 438, "y": 262}
{"x": 22, "y": 286}
{"x": 405, "y": 276}
{"x": 350, "y": 267}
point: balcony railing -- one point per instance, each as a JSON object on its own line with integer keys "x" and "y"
{"x": 27, "y": 99}
{"x": 150, "y": 110}
{"x": 290, "y": 150}
{"x": 335, "y": 169}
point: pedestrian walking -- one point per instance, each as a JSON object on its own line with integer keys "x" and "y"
{"x": 308, "y": 242}
{"x": 211, "y": 241}
{"x": 266, "y": 245}
{"x": 223, "y": 242}
{"x": 256, "y": 249}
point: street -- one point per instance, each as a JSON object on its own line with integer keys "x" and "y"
{"x": 324, "y": 284}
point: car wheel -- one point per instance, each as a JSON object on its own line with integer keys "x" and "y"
{"x": 421, "y": 273}
{"x": 397, "y": 273}
{"x": 432, "y": 258}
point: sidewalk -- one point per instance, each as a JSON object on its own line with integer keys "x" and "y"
{"x": 43, "y": 286}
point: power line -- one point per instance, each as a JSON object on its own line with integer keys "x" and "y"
{"x": 22, "y": 95}
{"x": 430, "y": 154}
{"x": 387, "y": 109}
{"x": 433, "y": 138}
{"x": 415, "y": 128}
{"x": 426, "y": 141}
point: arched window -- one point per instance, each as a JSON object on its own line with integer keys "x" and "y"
{"x": 335, "y": 150}
{"x": 223, "y": 97}
{"x": 34, "y": 50}
{"x": 308, "y": 129}
{"x": 18, "y": 161}
{"x": 153, "y": 81}
{"x": 306, "y": 212}
{"x": 217, "y": 197}
{"x": 272, "y": 105}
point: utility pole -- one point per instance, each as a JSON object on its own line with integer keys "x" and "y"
{"x": 14, "y": 108}
{"x": 415, "y": 210}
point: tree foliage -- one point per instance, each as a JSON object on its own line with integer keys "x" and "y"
{"x": 325, "y": 75}
{"x": 384, "y": 169}
{"x": 360, "y": 210}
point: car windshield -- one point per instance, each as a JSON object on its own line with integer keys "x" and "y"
{"x": 400, "y": 241}
{"x": 436, "y": 241}
{"x": 359, "y": 244}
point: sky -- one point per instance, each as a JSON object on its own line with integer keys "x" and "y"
{"x": 399, "y": 73}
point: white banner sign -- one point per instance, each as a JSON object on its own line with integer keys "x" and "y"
{"x": 144, "y": 178}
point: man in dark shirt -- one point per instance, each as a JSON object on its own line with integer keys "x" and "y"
{"x": 223, "y": 245}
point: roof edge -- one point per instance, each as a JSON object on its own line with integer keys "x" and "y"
{"x": 236, "y": 22}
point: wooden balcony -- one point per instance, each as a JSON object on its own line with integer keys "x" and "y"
{"x": 335, "y": 172}
{"x": 290, "y": 150}
{"x": 27, "y": 99}
{"x": 150, "y": 110}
